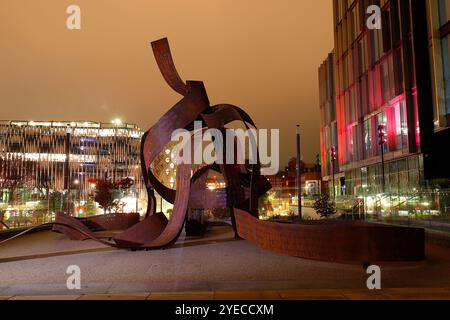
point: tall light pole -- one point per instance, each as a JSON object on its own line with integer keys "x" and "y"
{"x": 333, "y": 157}
{"x": 77, "y": 183}
{"x": 67, "y": 182}
{"x": 117, "y": 122}
{"x": 382, "y": 136}
{"x": 299, "y": 175}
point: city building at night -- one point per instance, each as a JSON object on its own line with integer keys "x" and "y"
{"x": 438, "y": 13}
{"x": 282, "y": 199}
{"x": 328, "y": 134}
{"x": 279, "y": 151}
{"x": 38, "y": 159}
{"x": 385, "y": 125}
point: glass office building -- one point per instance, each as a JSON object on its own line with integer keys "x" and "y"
{"x": 39, "y": 160}
{"x": 396, "y": 78}
{"x": 328, "y": 131}
{"x": 439, "y": 40}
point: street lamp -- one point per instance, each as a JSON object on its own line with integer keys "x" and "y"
{"x": 333, "y": 154}
{"x": 382, "y": 140}
{"x": 77, "y": 183}
{"x": 117, "y": 121}
{"x": 299, "y": 176}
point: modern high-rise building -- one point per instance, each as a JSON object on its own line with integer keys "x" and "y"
{"x": 37, "y": 158}
{"x": 388, "y": 117}
{"x": 328, "y": 133}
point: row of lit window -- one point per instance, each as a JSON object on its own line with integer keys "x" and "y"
{"x": 360, "y": 141}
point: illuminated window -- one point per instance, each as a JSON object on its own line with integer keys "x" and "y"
{"x": 444, "y": 10}
{"x": 446, "y": 59}
{"x": 382, "y": 120}
{"x": 367, "y": 139}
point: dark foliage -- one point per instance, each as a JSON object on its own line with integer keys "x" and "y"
{"x": 325, "y": 207}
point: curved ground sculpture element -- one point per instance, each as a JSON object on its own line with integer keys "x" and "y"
{"x": 323, "y": 240}
{"x": 104, "y": 222}
{"x": 331, "y": 240}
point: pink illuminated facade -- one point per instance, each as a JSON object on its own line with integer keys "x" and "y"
{"x": 384, "y": 77}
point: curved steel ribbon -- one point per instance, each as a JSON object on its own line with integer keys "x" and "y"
{"x": 161, "y": 51}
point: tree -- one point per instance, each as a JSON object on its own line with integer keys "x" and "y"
{"x": 15, "y": 173}
{"x": 90, "y": 207}
{"x": 324, "y": 207}
{"x": 108, "y": 193}
{"x": 265, "y": 203}
{"x": 56, "y": 202}
{"x": 43, "y": 182}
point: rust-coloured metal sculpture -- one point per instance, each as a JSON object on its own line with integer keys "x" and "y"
{"x": 331, "y": 241}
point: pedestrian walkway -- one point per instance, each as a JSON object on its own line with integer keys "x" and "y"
{"x": 324, "y": 294}
{"x": 216, "y": 266}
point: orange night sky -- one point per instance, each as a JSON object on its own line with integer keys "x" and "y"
{"x": 262, "y": 55}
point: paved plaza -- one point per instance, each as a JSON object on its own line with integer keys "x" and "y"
{"x": 213, "y": 267}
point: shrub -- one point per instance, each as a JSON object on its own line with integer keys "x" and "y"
{"x": 325, "y": 207}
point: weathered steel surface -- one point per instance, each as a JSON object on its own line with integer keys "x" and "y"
{"x": 143, "y": 232}
{"x": 113, "y": 221}
{"x": 334, "y": 240}
{"x": 171, "y": 233}
{"x": 181, "y": 116}
{"x": 161, "y": 51}
{"x": 154, "y": 232}
{"x": 73, "y": 232}
{"x": 119, "y": 221}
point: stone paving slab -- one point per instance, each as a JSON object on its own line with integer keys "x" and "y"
{"x": 419, "y": 294}
{"x": 5, "y": 297}
{"x": 3, "y": 289}
{"x": 52, "y": 254}
{"x": 251, "y": 285}
{"x": 54, "y": 289}
{"x": 181, "y": 296}
{"x": 325, "y": 294}
{"x": 312, "y": 295}
{"x": 45, "y": 243}
{"x": 46, "y": 297}
{"x": 248, "y": 295}
{"x": 162, "y": 286}
{"x": 364, "y": 294}
{"x": 115, "y": 296}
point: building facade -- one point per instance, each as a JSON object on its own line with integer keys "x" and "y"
{"x": 282, "y": 199}
{"x": 438, "y": 13}
{"x": 328, "y": 131}
{"x": 38, "y": 159}
{"x": 392, "y": 81}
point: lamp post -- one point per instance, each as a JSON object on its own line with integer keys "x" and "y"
{"x": 382, "y": 136}
{"x": 67, "y": 182}
{"x": 77, "y": 183}
{"x": 333, "y": 154}
{"x": 299, "y": 175}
